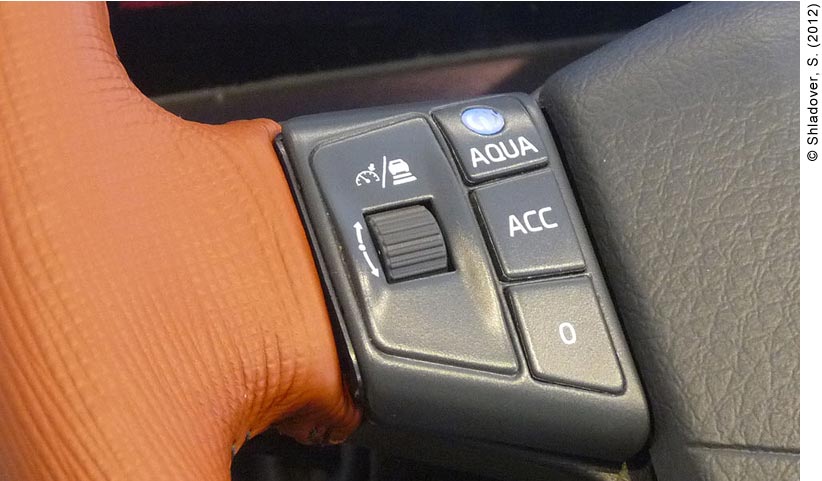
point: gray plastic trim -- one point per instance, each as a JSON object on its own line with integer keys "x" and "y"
{"x": 452, "y": 400}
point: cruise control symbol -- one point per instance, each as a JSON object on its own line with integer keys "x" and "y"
{"x": 367, "y": 176}
{"x": 399, "y": 170}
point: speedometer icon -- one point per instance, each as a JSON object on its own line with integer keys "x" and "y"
{"x": 367, "y": 176}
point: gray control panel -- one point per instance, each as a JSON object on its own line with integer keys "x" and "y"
{"x": 467, "y": 299}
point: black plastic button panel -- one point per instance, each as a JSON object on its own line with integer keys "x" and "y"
{"x": 462, "y": 282}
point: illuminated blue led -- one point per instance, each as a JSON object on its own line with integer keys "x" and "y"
{"x": 483, "y": 120}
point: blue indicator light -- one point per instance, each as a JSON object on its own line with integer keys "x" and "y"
{"x": 483, "y": 120}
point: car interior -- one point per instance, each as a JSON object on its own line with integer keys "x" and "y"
{"x": 558, "y": 241}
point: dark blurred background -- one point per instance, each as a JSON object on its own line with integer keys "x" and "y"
{"x": 218, "y": 61}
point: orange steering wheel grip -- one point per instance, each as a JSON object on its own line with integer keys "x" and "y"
{"x": 158, "y": 297}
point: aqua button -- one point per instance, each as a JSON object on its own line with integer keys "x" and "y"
{"x": 483, "y": 120}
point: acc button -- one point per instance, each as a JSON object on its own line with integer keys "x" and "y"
{"x": 529, "y": 227}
